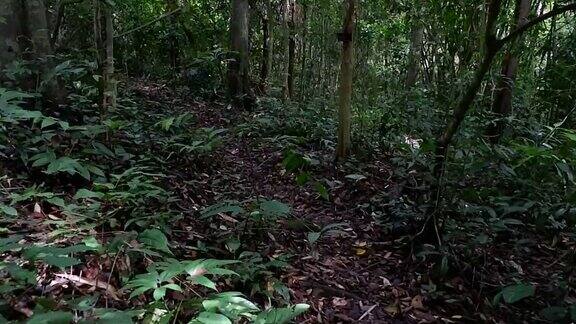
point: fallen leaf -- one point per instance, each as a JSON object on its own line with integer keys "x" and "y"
{"x": 417, "y": 303}
{"x": 339, "y": 302}
{"x": 360, "y": 251}
{"x": 393, "y": 309}
{"x": 113, "y": 292}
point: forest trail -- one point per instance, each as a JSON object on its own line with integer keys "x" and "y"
{"x": 354, "y": 274}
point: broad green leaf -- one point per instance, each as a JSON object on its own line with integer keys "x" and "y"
{"x": 274, "y": 208}
{"x": 281, "y": 315}
{"x": 60, "y": 261}
{"x": 51, "y": 318}
{"x": 313, "y": 237}
{"x": 554, "y": 314}
{"x": 85, "y": 194}
{"x": 515, "y": 293}
{"x": 10, "y": 211}
{"x": 212, "y": 318}
{"x": 225, "y": 207}
{"x": 322, "y": 191}
{"x": 203, "y": 281}
{"x": 155, "y": 239}
{"x": 10, "y": 243}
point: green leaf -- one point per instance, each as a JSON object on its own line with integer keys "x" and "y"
{"x": 92, "y": 242}
{"x": 573, "y": 312}
{"x": 313, "y": 237}
{"x": 159, "y": 293}
{"x": 47, "y": 122}
{"x": 51, "y": 318}
{"x": 155, "y": 239}
{"x": 302, "y": 178}
{"x": 212, "y": 318}
{"x": 57, "y": 201}
{"x": 281, "y": 315}
{"x": 515, "y": 293}
{"x": 10, "y": 243}
{"x": 60, "y": 261}
{"x": 10, "y": 211}
{"x": 224, "y": 207}
{"x": 554, "y": 313}
{"x": 86, "y": 194}
{"x": 322, "y": 191}
{"x": 201, "y": 280}
{"x": 274, "y": 208}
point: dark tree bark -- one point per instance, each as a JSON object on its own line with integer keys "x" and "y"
{"x": 291, "y": 50}
{"x": 104, "y": 43}
{"x": 415, "y": 54}
{"x": 266, "y": 47}
{"x": 10, "y": 48}
{"x": 173, "y": 46}
{"x": 239, "y": 67}
{"x": 346, "y": 76}
{"x": 502, "y": 105}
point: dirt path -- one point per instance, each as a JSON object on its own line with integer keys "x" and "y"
{"x": 354, "y": 275}
{"x": 357, "y": 274}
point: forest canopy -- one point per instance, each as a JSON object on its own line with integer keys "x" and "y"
{"x": 281, "y": 161}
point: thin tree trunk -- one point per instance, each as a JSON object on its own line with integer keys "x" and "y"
{"x": 173, "y": 47}
{"x": 37, "y": 24}
{"x": 304, "y": 49}
{"x": 415, "y": 54}
{"x": 100, "y": 52}
{"x": 60, "y": 12}
{"x": 287, "y": 5}
{"x": 291, "y": 50}
{"x": 502, "y": 105}
{"x": 239, "y": 67}
{"x": 108, "y": 75}
{"x": 346, "y": 76}
{"x": 10, "y": 13}
{"x": 266, "y": 48}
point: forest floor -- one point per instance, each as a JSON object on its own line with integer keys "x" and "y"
{"x": 363, "y": 273}
{"x": 356, "y": 269}
{"x": 356, "y": 275}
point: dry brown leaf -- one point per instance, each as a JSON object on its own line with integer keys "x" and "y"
{"x": 339, "y": 302}
{"x": 417, "y": 303}
{"x": 111, "y": 290}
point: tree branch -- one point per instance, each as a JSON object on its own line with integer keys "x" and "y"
{"x": 520, "y": 30}
{"x": 149, "y": 23}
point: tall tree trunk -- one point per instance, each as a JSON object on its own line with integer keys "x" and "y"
{"x": 291, "y": 50}
{"x": 286, "y": 6}
{"x": 36, "y": 29}
{"x": 10, "y": 29}
{"x": 346, "y": 76}
{"x": 104, "y": 43}
{"x": 239, "y": 67}
{"x": 37, "y": 24}
{"x": 502, "y": 105}
{"x": 303, "y": 71}
{"x": 173, "y": 48}
{"x": 415, "y": 54}
{"x": 266, "y": 48}
{"x": 60, "y": 12}
{"x": 109, "y": 80}
{"x": 100, "y": 51}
